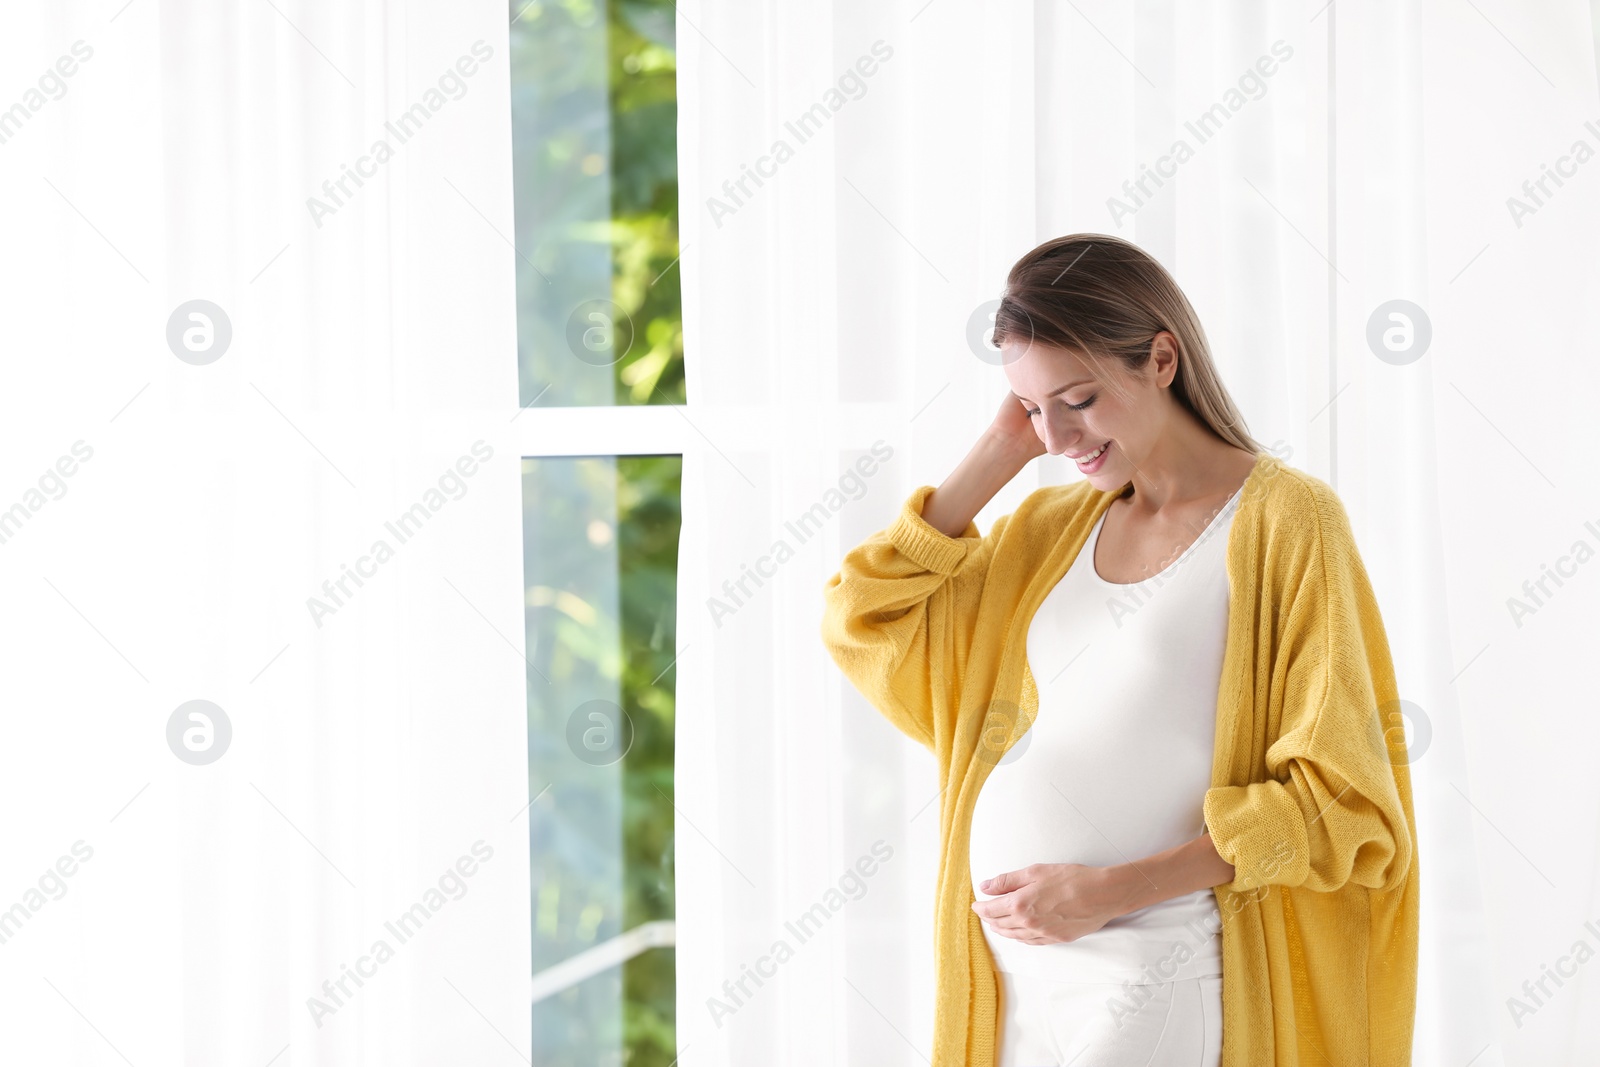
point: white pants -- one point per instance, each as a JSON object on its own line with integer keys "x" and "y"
{"x": 1047, "y": 1023}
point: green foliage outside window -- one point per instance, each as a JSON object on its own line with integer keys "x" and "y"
{"x": 595, "y": 121}
{"x": 594, "y": 115}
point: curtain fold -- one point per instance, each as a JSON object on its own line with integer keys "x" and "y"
{"x": 218, "y": 537}
{"x": 1299, "y": 171}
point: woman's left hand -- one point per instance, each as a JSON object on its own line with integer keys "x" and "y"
{"x": 1050, "y": 903}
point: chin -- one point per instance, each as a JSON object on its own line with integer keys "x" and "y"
{"x": 1104, "y": 482}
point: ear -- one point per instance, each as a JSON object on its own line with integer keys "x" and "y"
{"x": 1164, "y": 357}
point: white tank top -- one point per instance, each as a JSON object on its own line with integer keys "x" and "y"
{"x": 1118, "y": 759}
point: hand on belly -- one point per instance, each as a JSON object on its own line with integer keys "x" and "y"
{"x": 1051, "y": 903}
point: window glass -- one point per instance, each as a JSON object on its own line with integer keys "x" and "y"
{"x": 595, "y": 179}
{"x": 601, "y": 554}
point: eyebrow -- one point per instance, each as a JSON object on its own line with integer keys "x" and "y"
{"x": 1064, "y": 388}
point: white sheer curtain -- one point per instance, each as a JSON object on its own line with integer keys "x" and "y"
{"x": 1355, "y": 156}
{"x": 368, "y": 354}
{"x": 173, "y": 911}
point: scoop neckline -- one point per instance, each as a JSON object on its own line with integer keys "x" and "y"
{"x": 1094, "y": 539}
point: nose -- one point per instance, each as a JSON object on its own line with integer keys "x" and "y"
{"x": 1057, "y": 437}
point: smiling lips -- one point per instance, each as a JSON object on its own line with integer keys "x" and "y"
{"x": 1088, "y": 458}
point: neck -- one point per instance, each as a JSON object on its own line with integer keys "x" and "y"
{"x": 1185, "y": 464}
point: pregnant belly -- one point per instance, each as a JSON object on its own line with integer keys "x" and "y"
{"x": 1102, "y": 819}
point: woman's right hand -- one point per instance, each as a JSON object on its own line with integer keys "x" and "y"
{"x": 1004, "y": 449}
{"x": 1013, "y": 427}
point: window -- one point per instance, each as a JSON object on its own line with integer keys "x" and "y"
{"x": 595, "y": 167}
{"x": 601, "y": 544}
{"x": 600, "y": 336}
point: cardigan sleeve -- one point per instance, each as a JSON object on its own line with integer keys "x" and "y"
{"x": 897, "y": 615}
{"x": 1329, "y": 812}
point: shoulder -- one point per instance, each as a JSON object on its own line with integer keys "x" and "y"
{"x": 1293, "y": 506}
{"x": 1027, "y": 533}
{"x": 1052, "y": 506}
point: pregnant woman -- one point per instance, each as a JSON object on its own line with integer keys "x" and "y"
{"x": 1176, "y": 819}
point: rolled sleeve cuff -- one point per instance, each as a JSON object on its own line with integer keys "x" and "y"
{"x": 930, "y": 548}
{"x": 1259, "y": 830}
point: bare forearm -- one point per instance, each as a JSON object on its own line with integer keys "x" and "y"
{"x": 1185, "y": 868}
{"x": 984, "y": 472}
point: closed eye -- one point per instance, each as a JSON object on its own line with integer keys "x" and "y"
{"x": 1075, "y": 407}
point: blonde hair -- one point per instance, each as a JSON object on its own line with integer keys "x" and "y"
{"x": 1107, "y": 298}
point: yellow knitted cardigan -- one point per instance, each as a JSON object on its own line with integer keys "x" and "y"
{"x": 1310, "y": 795}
